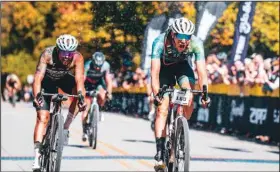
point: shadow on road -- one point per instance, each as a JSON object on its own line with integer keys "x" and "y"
{"x": 77, "y": 146}
{"x": 143, "y": 141}
{"x": 276, "y": 152}
{"x": 231, "y": 149}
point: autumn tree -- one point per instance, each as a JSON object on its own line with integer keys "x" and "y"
{"x": 265, "y": 31}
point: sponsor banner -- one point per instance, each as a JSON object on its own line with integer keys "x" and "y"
{"x": 243, "y": 27}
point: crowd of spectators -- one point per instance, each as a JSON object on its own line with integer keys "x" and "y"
{"x": 255, "y": 70}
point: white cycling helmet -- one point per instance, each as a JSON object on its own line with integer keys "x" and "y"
{"x": 67, "y": 42}
{"x": 183, "y": 26}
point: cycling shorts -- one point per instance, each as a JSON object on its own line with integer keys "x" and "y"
{"x": 66, "y": 84}
{"x": 180, "y": 72}
{"x": 96, "y": 86}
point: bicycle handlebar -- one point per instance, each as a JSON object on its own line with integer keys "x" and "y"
{"x": 61, "y": 97}
{"x": 165, "y": 89}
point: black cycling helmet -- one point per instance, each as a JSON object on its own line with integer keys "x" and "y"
{"x": 98, "y": 59}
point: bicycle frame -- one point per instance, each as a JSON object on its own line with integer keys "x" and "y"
{"x": 94, "y": 103}
{"x": 178, "y": 99}
{"x": 49, "y": 138}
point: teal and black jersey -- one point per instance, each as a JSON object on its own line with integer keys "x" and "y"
{"x": 176, "y": 66}
{"x": 94, "y": 77}
{"x": 172, "y": 55}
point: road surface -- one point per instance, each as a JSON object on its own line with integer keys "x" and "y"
{"x": 126, "y": 144}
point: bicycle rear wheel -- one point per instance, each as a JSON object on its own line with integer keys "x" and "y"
{"x": 56, "y": 143}
{"x": 182, "y": 145}
{"x": 93, "y": 126}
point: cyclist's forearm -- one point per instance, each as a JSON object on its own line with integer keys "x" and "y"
{"x": 155, "y": 84}
{"x": 202, "y": 78}
{"x": 155, "y": 70}
{"x": 109, "y": 87}
{"x": 36, "y": 86}
{"x": 202, "y": 75}
{"x": 80, "y": 85}
{"x": 79, "y": 75}
{"x": 109, "y": 83}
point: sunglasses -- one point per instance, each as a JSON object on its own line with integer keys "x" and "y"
{"x": 183, "y": 36}
{"x": 66, "y": 55}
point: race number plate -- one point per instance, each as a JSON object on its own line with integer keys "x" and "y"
{"x": 181, "y": 97}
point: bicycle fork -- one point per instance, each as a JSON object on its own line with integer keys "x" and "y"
{"x": 93, "y": 106}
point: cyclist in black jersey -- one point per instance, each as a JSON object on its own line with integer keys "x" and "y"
{"x": 59, "y": 66}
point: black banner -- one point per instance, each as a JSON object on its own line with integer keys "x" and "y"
{"x": 243, "y": 27}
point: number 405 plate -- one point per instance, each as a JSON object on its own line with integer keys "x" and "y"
{"x": 181, "y": 97}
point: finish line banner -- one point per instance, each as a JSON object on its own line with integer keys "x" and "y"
{"x": 243, "y": 27}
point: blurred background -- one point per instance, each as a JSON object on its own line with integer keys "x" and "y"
{"x": 240, "y": 86}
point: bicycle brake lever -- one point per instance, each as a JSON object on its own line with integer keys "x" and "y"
{"x": 80, "y": 96}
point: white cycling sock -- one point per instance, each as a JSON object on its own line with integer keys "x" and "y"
{"x": 68, "y": 121}
{"x": 37, "y": 153}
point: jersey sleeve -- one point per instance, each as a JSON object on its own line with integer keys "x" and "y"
{"x": 107, "y": 67}
{"x": 157, "y": 48}
{"x": 198, "y": 49}
{"x": 87, "y": 66}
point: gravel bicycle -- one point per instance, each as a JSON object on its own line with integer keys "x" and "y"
{"x": 177, "y": 147}
{"x": 92, "y": 119}
{"x": 52, "y": 144}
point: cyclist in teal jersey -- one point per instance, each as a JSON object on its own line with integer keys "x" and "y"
{"x": 97, "y": 77}
{"x": 172, "y": 54}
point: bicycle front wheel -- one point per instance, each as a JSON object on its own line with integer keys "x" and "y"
{"x": 56, "y": 144}
{"x": 93, "y": 126}
{"x": 182, "y": 145}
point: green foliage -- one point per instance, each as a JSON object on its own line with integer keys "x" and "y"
{"x": 20, "y": 63}
{"x": 265, "y": 31}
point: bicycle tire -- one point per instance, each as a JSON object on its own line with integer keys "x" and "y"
{"x": 56, "y": 144}
{"x": 170, "y": 142}
{"x": 182, "y": 134}
{"x": 94, "y": 127}
{"x": 89, "y": 130}
{"x": 44, "y": 150}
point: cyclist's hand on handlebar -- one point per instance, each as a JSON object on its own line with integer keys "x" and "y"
{"x": 157, "y": 100}
{"x": 81, "y": 104}
{"x": 109, "y": 96}
{"x": 205, "y": 103}
{"x": 38, "y": 100}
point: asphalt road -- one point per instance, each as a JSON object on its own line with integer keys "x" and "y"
{"x": 126, "y": 144}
